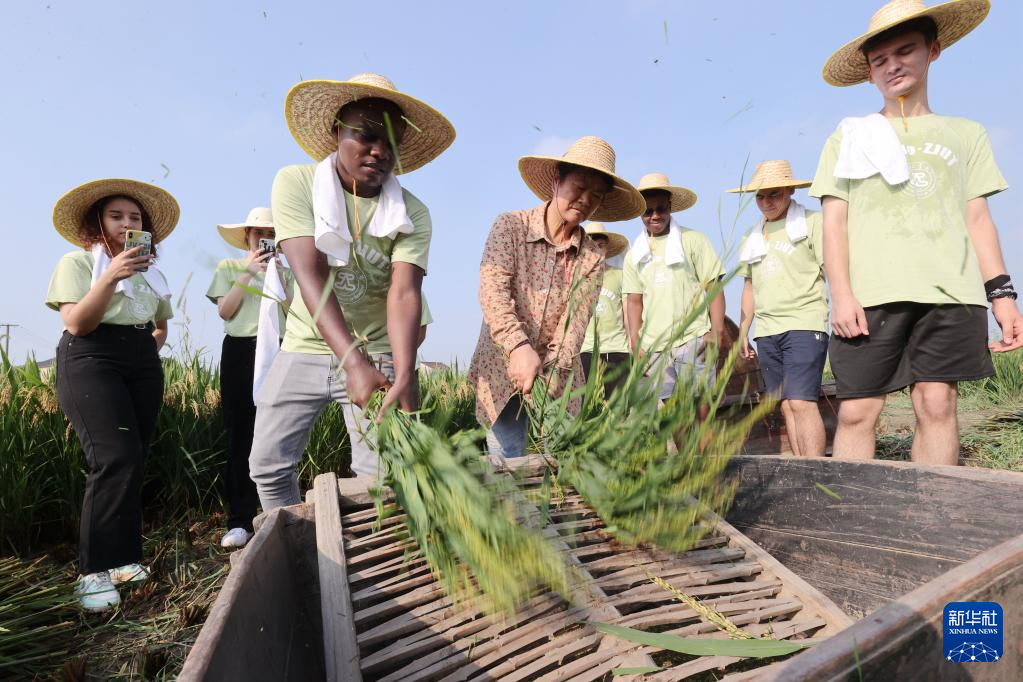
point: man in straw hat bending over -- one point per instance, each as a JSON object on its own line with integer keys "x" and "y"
{"x": 668, "y": 274}
{"x": 605, "y": 335}
{"x": 910, "y": 249}
{"x": 539, "y": 280}
{"x": 782, "y": 260}
{"x": 358, "y": 244}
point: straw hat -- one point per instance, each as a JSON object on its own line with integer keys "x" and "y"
{"x": 311, "y": 106}
{"x": 69, "y": 212}
{"x": 616, "y": 243}
{"x": 771, "y": 174}
{"x": 234, "y": 233}
{"x": 955, "y": 19}
{"x": 681, "y": 197}
{"x": 623, "y": 202}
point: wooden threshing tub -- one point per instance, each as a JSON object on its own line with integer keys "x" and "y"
{"x": 318, "y": 595}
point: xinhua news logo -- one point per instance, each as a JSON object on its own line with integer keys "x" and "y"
{"x": 973, "y": 631}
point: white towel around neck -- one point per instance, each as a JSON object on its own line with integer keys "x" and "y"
{"x": 268, "y": 332}
{"x": 673, "y": 253}
{"x": 154, "y": 278}
{"x": 755, "y": 247}
{"x": 332, "y": 234}
{"x": 871, "y": 146}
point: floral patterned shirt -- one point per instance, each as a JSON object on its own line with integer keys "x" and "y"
{"x": 534, "y": 292}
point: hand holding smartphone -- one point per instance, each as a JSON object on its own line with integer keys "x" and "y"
{"x": 133, "y": 238}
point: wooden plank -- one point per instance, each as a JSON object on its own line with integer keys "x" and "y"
{"x": 902, "y": 640}
{"x": 340, "y": 651}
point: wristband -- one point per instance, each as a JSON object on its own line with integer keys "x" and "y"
{"x": 1007, "y": 291}
{"x": 997, "y": 283}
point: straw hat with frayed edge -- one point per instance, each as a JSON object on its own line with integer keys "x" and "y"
{"x": 311, "y": 106}
{"x": 616, "y": 243}
{"x": 955, "y": 19}
{"x": 234, "y": 233}
{"x": 623, "y": 202}
{"x": 769, "y": 175}
{"x": 69, "y": 212}
{"x": 681, "y": 197}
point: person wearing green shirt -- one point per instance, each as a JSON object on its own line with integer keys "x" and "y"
{"x": 605, "y": 334}
{"x": 114, "y": 304}
{"x": 670, "y": 273}
{"x": 358, "y": 245}
{"x": 234, "y": 290}
{"x": 781, "y": 260}
{"x": 910, "y": 249}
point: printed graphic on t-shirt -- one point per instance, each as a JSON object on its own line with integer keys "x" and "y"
{"x": 140, "y": 307}
{"x": 350, "y": 285}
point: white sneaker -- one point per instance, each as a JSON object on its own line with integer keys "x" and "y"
{"x": 132, "y": 573}
{"x": 234, "y": 538}
{"x": 96, "y": 593}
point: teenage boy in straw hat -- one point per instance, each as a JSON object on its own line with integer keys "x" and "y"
{"x": 782, "y": 261}
{"x": 669, "y": 272}
{"x": 234, "y": 290}
{"x": 539, "y": 280}
{"x": 910, "y": 249}
{"x": 357, "y": 243}
{"x": 606, "y": 335}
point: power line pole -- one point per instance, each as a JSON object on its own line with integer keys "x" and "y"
{"x": 7, "y": 337}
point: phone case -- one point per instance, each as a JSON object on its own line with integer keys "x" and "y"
{"x": 141, "y": 238}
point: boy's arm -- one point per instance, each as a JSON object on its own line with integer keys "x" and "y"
{"x": 984, "y": 236}
{"x": 746, "y": 319}
{"x": 847, "y": 317}
{"x": 634, "y": 319}
{"x": 404, "y": 315}
{"x": 717, "y": 315}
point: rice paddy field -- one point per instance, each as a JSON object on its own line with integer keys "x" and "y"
{"x": 43, "y": 635}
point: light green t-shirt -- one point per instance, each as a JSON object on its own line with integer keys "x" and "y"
{"x": 72, "y": 280}
{"x": 788, "y": 283}
{"x": 245, "y": 322}
{"x": 607, "y": 323}
{"x": 427, "y": 317}
{"x": 361, "y": 286}
{"x": 672, "y": 292}
{"x": 910, "y": 242}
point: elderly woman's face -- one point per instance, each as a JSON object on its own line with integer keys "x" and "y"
{"x": 579, "y": 194}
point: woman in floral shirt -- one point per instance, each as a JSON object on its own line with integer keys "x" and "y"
{"x": 539, "y": 280}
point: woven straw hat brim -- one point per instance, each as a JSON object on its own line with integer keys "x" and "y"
{"x": 623, "y": 202}
{"x": 616, "y": 243}
{"x": 311, "y": 106}
{"x": 234, "y": 233}
{"x": 770, "y": 184}
{"x": 69, "y": 211}
{"x": 681, "y": 197}
{"x": 848, "y": 66}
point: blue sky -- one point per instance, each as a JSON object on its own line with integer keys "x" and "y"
{"x": 190, "y": 95}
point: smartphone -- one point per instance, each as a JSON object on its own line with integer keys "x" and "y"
{"x": 133, "y": 238}
{"x": 267, "y": 246}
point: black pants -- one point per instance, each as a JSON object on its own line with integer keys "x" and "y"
{"x": 237, "y": 365}
{"x": 110, "y": 386}
{"x": 611, "y": 362}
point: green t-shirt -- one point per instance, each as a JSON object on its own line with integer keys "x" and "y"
{"x": 788, "y": 282}
{"x": 607, "y": 323}
{"x": 910, "y": 242}
{"x": 672, "y": 292}
{"x": 361, "y": 286}
{"x": 245, "y": 322}
{"x": 427, "y": 316}
{"x": 72, "y": 280}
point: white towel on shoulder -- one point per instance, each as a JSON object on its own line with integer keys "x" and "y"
{"x": 268, "y": 333}
{"x": 154, "y": 278}
{"x": 673, "y": 253}
{"x": 871, "y": 146}
{"x": 755, "y": 247}
{"x": 333, "y": 235}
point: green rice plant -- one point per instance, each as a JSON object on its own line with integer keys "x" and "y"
{"x": 1004, "y": 388}
{"x": 467, "y": 521}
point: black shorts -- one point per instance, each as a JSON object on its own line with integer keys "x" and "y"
{"x": 792, "y": 363}
{"x": 911, "y": 342}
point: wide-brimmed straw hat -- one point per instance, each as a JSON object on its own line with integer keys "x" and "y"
{"x": 616, "y": 243}
{"x": 623, "y": 202}
{"x": 770, "y": 175}
{"x": 69, "y": 211}
{"x": 681, "y": 197}
{"x": 311, "y": 107}
{"x": 954, "y": 19}
{"x": 234, "y": 233}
